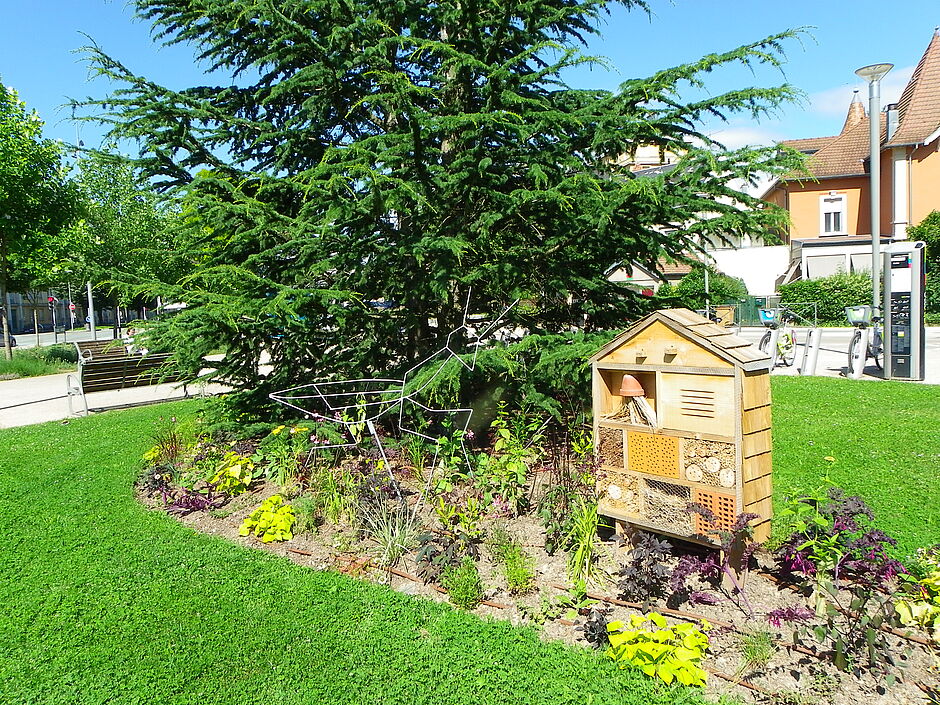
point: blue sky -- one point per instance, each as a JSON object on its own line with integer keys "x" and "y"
{"x": 38, "y": 41}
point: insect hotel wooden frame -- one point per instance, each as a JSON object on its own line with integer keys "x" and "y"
{"x": 682, "y": 415}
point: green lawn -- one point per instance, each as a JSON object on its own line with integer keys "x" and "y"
{"x": 105, "y": 602}
{"x": 885, "y": 441}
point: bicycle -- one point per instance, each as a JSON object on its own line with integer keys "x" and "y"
{"x": 860, "y": 317}
{"x": 774, "y": 318}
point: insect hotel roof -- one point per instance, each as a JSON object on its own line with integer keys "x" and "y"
{"x": 699, "y": 433}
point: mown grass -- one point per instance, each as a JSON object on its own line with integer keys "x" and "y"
{"x": 34, "y": 362}
{"x": 106, "y": 602}
{"x": 884, "y": 438}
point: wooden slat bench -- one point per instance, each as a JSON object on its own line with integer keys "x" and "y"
{"x": 100, "y": 350}
{"x": 99, "y": 374}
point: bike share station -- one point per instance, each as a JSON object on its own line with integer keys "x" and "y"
{"x": 779, "y": 342}
{"x": 903, "y": 340}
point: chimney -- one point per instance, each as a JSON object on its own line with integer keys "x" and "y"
{"x": 892, "y": 119}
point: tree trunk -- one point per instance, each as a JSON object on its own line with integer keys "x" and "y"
{"x": 4, "y": 314}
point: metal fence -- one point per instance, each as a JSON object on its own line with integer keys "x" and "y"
{"x": 745, "y": 311}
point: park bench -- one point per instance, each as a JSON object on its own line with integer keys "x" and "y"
{"x": 107, "y": 372}
{"x": 100, "y": 350}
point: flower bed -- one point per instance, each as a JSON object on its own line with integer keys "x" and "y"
{"x": 515, "y": 535}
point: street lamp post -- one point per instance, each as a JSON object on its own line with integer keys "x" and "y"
{"x": 873, "y": 74}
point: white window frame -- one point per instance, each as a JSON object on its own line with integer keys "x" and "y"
{"x": 833, "y": 203}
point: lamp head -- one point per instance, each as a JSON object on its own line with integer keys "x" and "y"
{"x": 874, "y": 72}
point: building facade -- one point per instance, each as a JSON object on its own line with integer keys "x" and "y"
{"x": 831, "y": 229}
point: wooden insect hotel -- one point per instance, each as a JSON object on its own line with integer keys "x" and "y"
{"x": 682, "y": 416}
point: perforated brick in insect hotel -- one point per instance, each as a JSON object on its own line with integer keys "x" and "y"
{"x": 682, "y": 416}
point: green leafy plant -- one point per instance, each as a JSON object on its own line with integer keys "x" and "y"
{"x": 271, "y": 521}
{"x": 668, "y": 653}
{"x": 836, "y": 551}
{"x": 460, "y": 511}
{"x": 306, "y": 513}
{"x": 571, "y": 472}
{"x": 921, "y": 604}
{"x": 502, "y": 475}
{"x": 234, "y": 475}
{"x": 392, "y": 526}
{"x": 463, "y": 584}
{"x": 582, "y": 539}
{"x": 517, "y": 567}
{"x": 439, "y": 552}
{"x": 281, "y": 452}
{"x": 757, "y": 648}
{"x": 451, "y": 465}
{"x": 336, "y": 491}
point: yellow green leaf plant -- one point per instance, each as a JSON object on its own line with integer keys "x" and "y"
{"x": 234, "y": 474}
{"x": 660, "y": 651}
{"x": 922, "y": 606}
{"x": 271, "y": 521}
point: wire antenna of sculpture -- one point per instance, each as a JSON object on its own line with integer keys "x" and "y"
{"x": 357, "y": 404}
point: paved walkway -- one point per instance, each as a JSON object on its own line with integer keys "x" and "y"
{"x": 37, "y": 399}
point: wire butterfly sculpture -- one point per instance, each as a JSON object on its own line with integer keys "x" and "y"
{"x": 357, "y": 404}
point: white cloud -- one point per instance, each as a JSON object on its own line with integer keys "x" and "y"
{"x": 835, "y": 101}
{"x": 745, "y": 136}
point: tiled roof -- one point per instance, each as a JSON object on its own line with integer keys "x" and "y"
{"x": 672, "y": 268}
{"x": 855, "y": 115}
{"x": 919, "y": 106}
{"x": 843, "y": 156}
{"x": 809, "y": 144}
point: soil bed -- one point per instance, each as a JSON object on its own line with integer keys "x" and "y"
{"x": 790, "y": 676}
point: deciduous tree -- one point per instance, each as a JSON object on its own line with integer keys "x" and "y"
{"x": 37, "y": 204}
{"x": 127, "y": 227}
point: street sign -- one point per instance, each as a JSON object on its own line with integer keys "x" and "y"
{"x": 71, "y": 307}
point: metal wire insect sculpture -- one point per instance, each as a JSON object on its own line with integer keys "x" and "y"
{"x": 356, "y": 404}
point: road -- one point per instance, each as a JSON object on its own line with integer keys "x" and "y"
{"x": 28, "y": 340}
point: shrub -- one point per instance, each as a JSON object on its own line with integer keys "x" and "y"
{"x": 271, "y": 521}
{"x": 690, "y": 291}
{"x": 34, "y": 362}
{"x": 463, "y": 584}
{"x": 234, "y": 474}
{"x": 517, "y": 567}
{"x": 669, "y": 653}
{"x": 832, "y": 294}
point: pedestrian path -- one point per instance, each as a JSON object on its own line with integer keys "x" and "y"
{"x": 37, "y": 399}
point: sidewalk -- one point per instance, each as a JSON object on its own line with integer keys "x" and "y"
{"x": 833, "y": 353}
{"x": 37, "y": 399}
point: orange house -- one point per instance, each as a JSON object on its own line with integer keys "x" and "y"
{"x": 830, "y": 227}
